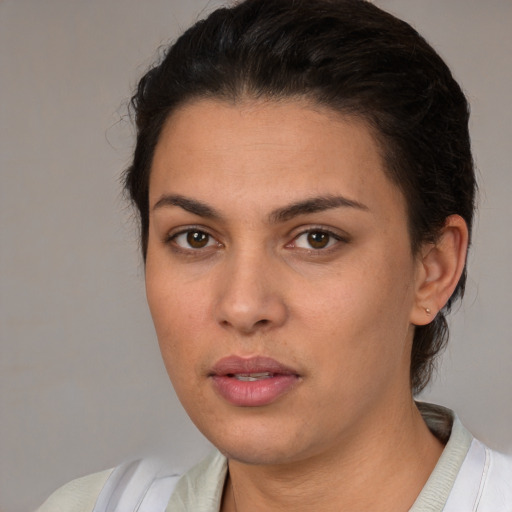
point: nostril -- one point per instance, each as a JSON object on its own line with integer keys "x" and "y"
{"x": 260, "y": 323}
{"x": 250, "y": 312}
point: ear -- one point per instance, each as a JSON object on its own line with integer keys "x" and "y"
{"x": 440, "y": 266}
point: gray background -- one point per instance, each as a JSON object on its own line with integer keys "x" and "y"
{"x": 82, "y": 385}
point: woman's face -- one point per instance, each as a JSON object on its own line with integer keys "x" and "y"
{"x": 279, "y": 276}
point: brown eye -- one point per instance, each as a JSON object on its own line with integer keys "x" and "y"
{"x": 193, "y": 239}
{"x": 318, "y": 239}
{"x": 197, "y": 239}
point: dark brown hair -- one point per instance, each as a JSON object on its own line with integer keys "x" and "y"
{"x": 348, "y": 55}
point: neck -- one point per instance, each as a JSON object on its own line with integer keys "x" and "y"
{"x": 379, "y": 468}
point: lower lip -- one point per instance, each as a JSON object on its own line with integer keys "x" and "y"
{"x": 254, "y": 393}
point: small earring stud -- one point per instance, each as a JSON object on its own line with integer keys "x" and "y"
{"x": 427, "y": 310}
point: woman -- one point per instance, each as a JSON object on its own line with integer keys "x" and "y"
{"x": 305, "y": 187}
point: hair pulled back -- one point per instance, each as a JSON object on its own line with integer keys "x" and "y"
{"x": 347, "y": 55}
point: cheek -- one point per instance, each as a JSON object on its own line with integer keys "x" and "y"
{"x": 360, "y": 315}
{"x": 176, "y": 314}
{"x": 179, "y": 317}
{"x": 176, "y": 329}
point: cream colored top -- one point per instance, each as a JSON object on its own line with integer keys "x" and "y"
{"x": 469, "y": 477}
{"x": 79, "y": 495}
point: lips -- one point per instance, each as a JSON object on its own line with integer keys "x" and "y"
{"x": 252, "y": 382}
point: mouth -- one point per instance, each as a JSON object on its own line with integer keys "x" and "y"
{"x": 251, "y": 377}
{"x": 257, "y": 367}
{"x": 252, "y": 382}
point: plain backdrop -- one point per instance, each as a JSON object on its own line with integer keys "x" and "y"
{"x": 82, "y": 385}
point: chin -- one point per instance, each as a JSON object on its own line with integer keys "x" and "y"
{"x": 257, "y": 455}
{"x": 260, "y": 442}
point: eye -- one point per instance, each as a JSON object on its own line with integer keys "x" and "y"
{"x": 193, "y": 239}
{"x": 316, "y": 239}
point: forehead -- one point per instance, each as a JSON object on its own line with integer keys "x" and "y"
{"x": 295, "y": 124}
{"x": 282, "y": 148}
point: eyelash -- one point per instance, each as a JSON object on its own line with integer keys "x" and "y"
{"x": 172, "y": 237}
{"x": 332, "y": 243}
{"x": 333, "y": 239}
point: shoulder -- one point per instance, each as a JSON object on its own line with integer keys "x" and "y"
{"x": 143, "y": 485}
{"x": 468, "y": 475}
{"x": 484, "y": 482}
{"x": 496, "y": 484}
{"x": 79, "y": 495}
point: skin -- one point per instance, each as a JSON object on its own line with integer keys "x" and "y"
{"x": 347, "y": 435}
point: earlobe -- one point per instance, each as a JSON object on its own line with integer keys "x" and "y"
{"x": 440, "y": 266}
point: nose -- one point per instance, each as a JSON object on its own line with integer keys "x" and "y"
{"x": 249, "y": 298}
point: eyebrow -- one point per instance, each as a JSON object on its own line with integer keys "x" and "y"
{"x": 190, "y": 205}
{"x": 312, "y": 205}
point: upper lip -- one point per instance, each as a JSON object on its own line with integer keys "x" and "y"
{"x": 233, "y": 365}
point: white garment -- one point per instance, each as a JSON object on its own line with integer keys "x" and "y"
{"x": 469, "y": 477}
